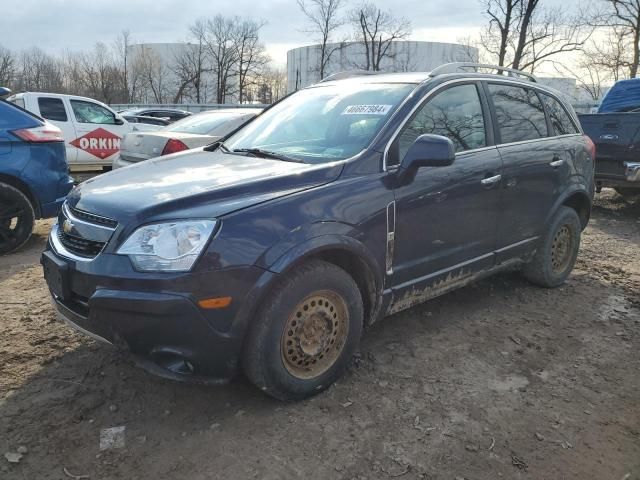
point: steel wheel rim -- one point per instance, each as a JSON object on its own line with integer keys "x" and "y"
{"x": 315, "y": 334}
{"x": 561, "y": 249}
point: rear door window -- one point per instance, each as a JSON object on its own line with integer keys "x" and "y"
{"x": 52, "y": 109}
{"x": 560, "y": 119}
{"x": 519, "y": 113}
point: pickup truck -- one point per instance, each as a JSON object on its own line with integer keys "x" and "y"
{"x": 92, "y": 131}
{"x": 615, "y": 129}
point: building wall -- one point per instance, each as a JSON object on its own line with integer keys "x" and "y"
{"x": 404, "y": 56}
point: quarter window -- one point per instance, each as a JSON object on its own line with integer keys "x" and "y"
{"x": 560, "y": 119}
{"x": 519, "y": 113}
{"x": 52, "y": 109}
{"x": 87, "y": 112}
{"x": 455, "y": 113}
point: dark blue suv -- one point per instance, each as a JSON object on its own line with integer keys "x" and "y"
{"x": 34, "y": 176}
{"x": 347, "y": 201}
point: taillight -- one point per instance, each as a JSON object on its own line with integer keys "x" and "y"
{"x": 591, "y": 147}
{"x": 173, "y": 146}
{"x": 42, "y": 134}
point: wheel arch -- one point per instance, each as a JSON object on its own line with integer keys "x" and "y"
{"x": 348, "y": 254}
{"x": 581, "y": 203}
{"x": 577, "y": 198}
{"x": 24, "y": 188}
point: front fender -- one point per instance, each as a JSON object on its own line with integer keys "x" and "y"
{"x": 315, "y": 245}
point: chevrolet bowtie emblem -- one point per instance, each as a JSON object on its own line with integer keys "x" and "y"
{"x": 67, "y": 226}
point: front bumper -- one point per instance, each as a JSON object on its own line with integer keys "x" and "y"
{"x": 156, "y": 316}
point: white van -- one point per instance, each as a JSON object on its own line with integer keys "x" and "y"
{"x": 92, "y": 131}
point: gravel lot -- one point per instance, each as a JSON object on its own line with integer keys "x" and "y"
{"x": 497, "y": 380}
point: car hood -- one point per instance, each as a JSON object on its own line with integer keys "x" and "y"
{"x": 194, "y": 184}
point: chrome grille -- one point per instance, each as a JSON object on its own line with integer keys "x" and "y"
{"x": 92, "y": 218}
{"x": 81, "y": 235}
{"x": 80, "y": 246}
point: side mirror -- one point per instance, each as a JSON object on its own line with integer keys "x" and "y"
{"x": 429, "y": 151}
{"x": 118, "y": 120}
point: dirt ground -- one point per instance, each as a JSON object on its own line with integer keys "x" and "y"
{"x": 497, "y": 380}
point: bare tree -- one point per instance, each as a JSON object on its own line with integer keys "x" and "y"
{"x": 7, "y": 67}
{"x": 122, "y": 46}
{"x": 101, "y": 74}
{"x": 523, "y": 35}
{"x": 251, "y": 56}
{"x": 324, "y": 18}
{"x": 153, "y": 73}
{"x": 503, "y": 22}
{"x": 590, "y": 78}
{"x": 221, "y": 47}
{"x": 39, "y": 72}
{"x": 377, "y": 30}
{"x": 271, "y": 86}
{"x": 551, "y": 33}
{"x": 621, "y": 20}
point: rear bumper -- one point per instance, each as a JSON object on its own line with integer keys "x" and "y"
{"x": 51, "y": 209}
{"x": 628, "y": 176}
{"x": 119, "y": 162}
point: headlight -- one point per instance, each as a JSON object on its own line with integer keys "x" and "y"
{"x": 167, "y": 247}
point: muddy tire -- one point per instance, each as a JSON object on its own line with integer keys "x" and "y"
{"x": 305, "y": 333}
{"x": 556, "y": 255}
{"x": 628, "y": 193}
{"x": 17, "y": 218}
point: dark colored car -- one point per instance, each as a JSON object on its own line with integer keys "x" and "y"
{"x": 161, "y": 122}
{"x": 169, "y": 114}
{"x": 34, "y": 176}
{"x": 347, "y": 201}
{"x": 615, "y": 130}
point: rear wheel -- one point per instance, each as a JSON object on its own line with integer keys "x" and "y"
{"x": 16, "y": 218}
{"x": 306, "y": 332}
{"x": 557, "y": 252}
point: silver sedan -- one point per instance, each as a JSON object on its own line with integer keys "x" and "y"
{"x": 191, "y": 132}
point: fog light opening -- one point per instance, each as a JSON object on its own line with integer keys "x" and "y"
{"x": 174, "y": 363}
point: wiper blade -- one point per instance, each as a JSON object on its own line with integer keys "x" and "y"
{"x": 217, "y": 146}
{"x": 258, "y": 152}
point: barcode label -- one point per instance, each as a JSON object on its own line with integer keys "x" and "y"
{"x": 367, "y": 110}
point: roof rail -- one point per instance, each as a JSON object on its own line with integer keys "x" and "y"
{"x": 461, "y": 66}
{"x": 347, "y": 74}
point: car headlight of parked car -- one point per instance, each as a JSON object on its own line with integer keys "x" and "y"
{"x": 167, "y": 247}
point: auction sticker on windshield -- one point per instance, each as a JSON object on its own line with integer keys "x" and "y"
{"x": 367, "y": 110}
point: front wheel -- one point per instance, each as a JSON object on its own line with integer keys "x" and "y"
{"x": 556, "y": 255}
{"x": 306, "y": 332}
{"x": 16, "y": 218}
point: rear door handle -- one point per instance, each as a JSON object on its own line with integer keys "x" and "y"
{"x": 490, "y": 181}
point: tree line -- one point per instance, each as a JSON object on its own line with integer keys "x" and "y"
{"x": 222, "y": 61}
{"x": 597, "y": 44}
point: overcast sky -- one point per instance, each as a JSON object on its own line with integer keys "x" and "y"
{"x": 58, "y": 25}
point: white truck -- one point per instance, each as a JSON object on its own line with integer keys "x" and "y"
{"x": 92, "y": 131}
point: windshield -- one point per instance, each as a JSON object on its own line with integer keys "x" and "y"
{"x": 205, "y": 123}
{"x": 323, "y": 123}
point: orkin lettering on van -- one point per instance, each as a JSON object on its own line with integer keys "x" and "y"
{"x": 99, "y": 143}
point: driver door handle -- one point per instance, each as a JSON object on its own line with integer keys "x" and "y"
{"x": 487, "y": 182}
{"x": 557, "y": 162}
